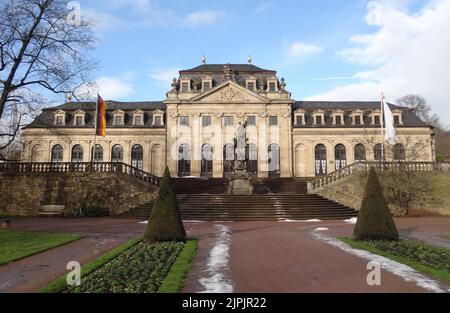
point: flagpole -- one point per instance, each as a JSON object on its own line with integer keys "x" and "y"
{"x": 382, "y": 128}
{"x": 95, "y": 129}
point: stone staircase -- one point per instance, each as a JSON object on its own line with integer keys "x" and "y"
{"x": 273, "y": 199}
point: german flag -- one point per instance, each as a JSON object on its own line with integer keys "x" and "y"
{"x": 101, "y": 117}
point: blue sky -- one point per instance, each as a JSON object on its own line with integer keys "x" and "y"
{"x": 327, "y": 50}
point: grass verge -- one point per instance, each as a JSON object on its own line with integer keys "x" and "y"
{"x": 60, "y": 283}
{"x": 16, "y": 245}
{"x": 180, "y": 269}
{"x": 441, "y": 274}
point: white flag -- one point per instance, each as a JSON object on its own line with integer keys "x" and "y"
{"x": 389, "y": 123}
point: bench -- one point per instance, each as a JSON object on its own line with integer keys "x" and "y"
{"x": 51, "y": 210}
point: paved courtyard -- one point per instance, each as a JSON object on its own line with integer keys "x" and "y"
{"x": 232, "y": 257}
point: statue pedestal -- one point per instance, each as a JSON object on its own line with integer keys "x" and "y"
{"x": 240, "y": 184}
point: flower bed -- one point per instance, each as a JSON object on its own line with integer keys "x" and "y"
{"x": 428, "y": 259}
{"x": 141, "y": 269}
{"x": 435, "y": 257}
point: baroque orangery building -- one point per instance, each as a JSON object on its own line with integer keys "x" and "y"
{"x": 193, "y": 130}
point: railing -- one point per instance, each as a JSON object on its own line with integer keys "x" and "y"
{"x": 323, "y": 181}
{"x": 73, "y": 167}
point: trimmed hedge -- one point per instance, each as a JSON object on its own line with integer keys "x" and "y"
{"x": 374, "y": 218}
{"x": 165, "y": 223}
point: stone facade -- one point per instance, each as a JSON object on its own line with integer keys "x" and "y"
{"x": 23, "y": 194}
{"x": 192, "y": 130}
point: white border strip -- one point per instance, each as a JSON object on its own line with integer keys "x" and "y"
{"x": 407, "y": 273}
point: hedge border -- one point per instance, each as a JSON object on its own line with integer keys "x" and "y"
{"x": 180, "y": 269}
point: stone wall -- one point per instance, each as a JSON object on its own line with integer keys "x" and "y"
{"x": 431, "y": 196}
{"x": 23, "y": 194}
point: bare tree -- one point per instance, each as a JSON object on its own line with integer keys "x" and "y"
{"x": 418, "y": 104}
{"x": 42, "y": 53}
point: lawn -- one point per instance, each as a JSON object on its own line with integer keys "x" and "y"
{"x": 16, "y": 245}
{"x": 425, "y": 258}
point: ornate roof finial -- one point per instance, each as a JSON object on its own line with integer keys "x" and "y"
{"x": 228, "y": 71}
{"x": 204, "y": 59}
{"x": 249, "y": 59}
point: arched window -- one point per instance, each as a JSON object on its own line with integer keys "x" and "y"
{"x": 97, "y": 153}
{"x": 399, "y": 153}
{"x": 340, "y": 156}
{"x": 137, "y": 157}
{"x": 274, "y": 160}
{"x": 360, "y": 153}
{"x": 36, "y": 154}
{"x": 252, "y": 159}
{"x": 378, "y": 152}
{"x": 57, "y": 154}
{"x": 228, "y": 158}
{"x": 207, "y": 161}
{"x": 117, "y": 154}
{"x": 321, "y": 160}
{"x": 184, "y": 160}
{"x": 77, "y": 154}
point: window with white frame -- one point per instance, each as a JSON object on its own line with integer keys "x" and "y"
{"x": 138, "y": 118}
{"x": 228, "y": 121}
{"x": 79, "y": 118}
{"x": 206, "y": 121}
{"x": 184, "y": 120}
{"x": 119, "y": 118}
{"x": 251, "y": 120}
{"x": 60, "y": 118}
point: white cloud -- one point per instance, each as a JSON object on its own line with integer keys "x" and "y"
{"x": 408, "y": 53}
{"x": 165, "y": 75}
{"x": 205, "y": 17}
{"x": 300, "y": 49}
{"x": 114, "y": 88}
{"x": 264, "y": 7}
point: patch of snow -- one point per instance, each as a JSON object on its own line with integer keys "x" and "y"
{"x": 315, "y": 220}
{"x": 218, "y": 264}
{"x": 396, "y": 268}
{"x": 286, "y": 220}
{"x": 193, "y": 221}
{"x": 143, "y": 222}
{"x": 321, "y": 229}
{"x": 352, "y": 220}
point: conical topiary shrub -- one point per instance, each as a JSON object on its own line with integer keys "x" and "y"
{"x": 374, "y": 218}
{"x": 165, "y": 223}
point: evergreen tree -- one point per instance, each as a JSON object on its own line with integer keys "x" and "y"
{"x": 374, "y": 218}
{"x": 165, "y": 223}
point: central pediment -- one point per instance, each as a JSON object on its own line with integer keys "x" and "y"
{"x": 229, "y": 92}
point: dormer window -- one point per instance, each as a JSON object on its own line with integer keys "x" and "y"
{"x": 207, "y": 83}
{"x": 376, "y": 117}
{"x": 319, "y": 117}
{"x": 299, "y": 117}
{"x": 79, "y": 118}
{"x": 272, "y": 85}
{"x": 338, "y": 117}
{"x": 138, "y": 118}
{"x": 60, "y": 118}
{"x": 119, "y": 118}
{"x": 185, "y": 83}
{"x": 251, "y": 83}
{"x": 79, "y": 121}
{"x": 158, "y": 118}
{"x": 357, "y": 117}
{"x": 398, "y": 118}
